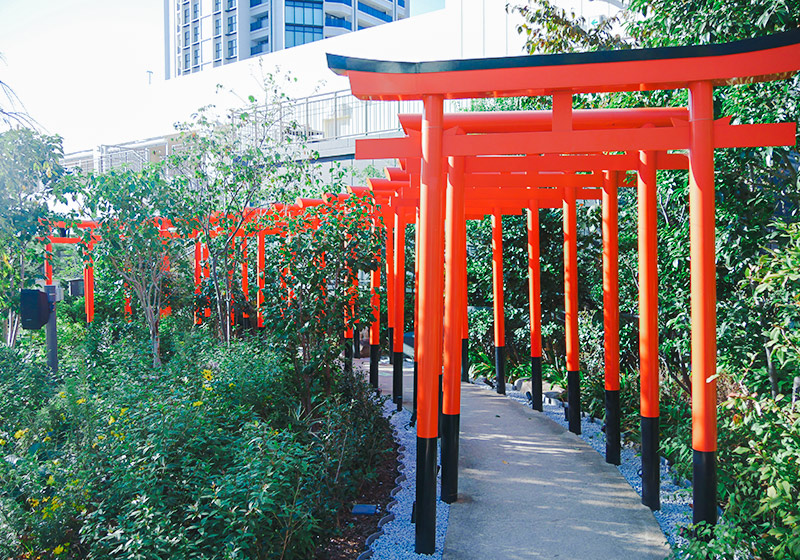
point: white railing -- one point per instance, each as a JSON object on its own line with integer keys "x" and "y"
{"x": 320, "y": 118}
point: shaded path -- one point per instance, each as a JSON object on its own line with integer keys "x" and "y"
{"x": 530, "y": 489}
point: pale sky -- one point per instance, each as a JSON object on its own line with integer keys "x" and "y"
{"x": 68, "y": 58}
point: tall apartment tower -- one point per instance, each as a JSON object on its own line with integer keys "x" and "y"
{"x": 201, "y": 34}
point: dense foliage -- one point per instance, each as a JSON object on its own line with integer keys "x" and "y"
{"x": 169, "y": 433}
{"x": 208, "y": 456}
{"x": 757, "y": 278}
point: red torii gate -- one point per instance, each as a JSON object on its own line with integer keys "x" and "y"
{"x": 532, "y": 171}
{"x": 696, "y": 68}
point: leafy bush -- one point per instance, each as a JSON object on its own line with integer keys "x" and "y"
{"x": 24, "y": 384}
{"x": 208, "y": 456}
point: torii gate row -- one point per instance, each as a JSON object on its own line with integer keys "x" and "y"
{"x": 491, "y": 174}
{"x": 201, "y": 252}
{"x": 696, "y": 68}
{"x": 387, "y": 191}
{"x": 648, "y": 330}
{"x": 526, "y": 199}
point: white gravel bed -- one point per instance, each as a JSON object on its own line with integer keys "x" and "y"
{"x": 397, "y": 540}
{"x": 676, "y": 493}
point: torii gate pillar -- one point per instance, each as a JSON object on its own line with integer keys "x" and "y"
{"x": 703, "y": 300}
{"x": 430, "y": 326}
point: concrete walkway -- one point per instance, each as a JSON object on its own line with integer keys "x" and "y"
{"x": 530, "y": 489}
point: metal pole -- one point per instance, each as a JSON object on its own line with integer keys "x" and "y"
{"x": 51, "y": 332}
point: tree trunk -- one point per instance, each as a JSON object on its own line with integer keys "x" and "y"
{"x": 155, "y": 343}
{"x": 773, "y": 379}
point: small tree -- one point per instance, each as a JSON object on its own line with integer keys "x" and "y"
{"x": 311, "y": 285}
{"x": 29, "y": 167}
{"x": 224, "y": 166}
{"x": 133, "y": 210}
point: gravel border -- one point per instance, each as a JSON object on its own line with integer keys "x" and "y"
{"x": 676, "y": 493}
{"x": 397, "y": 539}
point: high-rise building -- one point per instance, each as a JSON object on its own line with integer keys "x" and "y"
{"x": 201, "y": 34}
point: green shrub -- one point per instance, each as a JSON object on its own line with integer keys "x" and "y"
{"x": 210, "y": 456}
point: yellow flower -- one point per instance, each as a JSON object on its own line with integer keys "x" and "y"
{"x": 60, "y": 549}
{"x": 111, "y": 420}
{"x": 207, "y": 388}
{"x": 197, "y": 403}
{"x": 231, "y": 384}
{"x": 20, "y": 433}
{"x": 123, "y": 410}
{"x": 2, "y": 441}
{"x": 51, "y": 480}
{"x": 47, "y": 438}
{"x": 101, "y": 437}
{"x": 81, "y": 401}
{"x": 208, "y": 375}
{"x": 63, "y": 395}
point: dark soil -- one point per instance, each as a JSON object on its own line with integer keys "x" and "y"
{"x": 353, "y": 530}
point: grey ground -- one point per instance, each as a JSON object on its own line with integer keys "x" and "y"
{"x": 530, "y": 489}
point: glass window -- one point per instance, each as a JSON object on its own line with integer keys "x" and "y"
{"x": 232, "y": 23}
{"x": 304, "y": 12}
{"x": 232, "y": 48}
{"x": 186, "y": 38}
{"x": 196, "y": 10}
{"x": 186, "y": 14}
{"x": 217, "y": 50}
{"x": 196, "y": 33}
{"x": 217, "y": 5}
{"x": 186, "y": 61}
{"x": 196, "y": 56}
{"x": 217, "y": 26}
{"x": 231, "y": 4}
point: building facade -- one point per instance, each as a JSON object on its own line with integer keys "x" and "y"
{"x": 202, "y": 34}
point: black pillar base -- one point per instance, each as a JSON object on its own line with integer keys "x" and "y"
{"x": 613, "y": 443}
{"x": 374, "y": 358}
{"x": 704, "y": 487}
{"x": 348, "y": 355}
{"x": 536, "y": 382}
{"x": 391, "y": 344}
{"x": 414, "y": 407}
{"x": 441, "y": 401}
{"x": 651, "y": 475}
{"x": 464, "y": 359}
{"x": 425, "y": 527}
{"x": 574, "y": 401}
{"x": 356, "y": 343}
{"x": 500, "y": 369}
{"x": 450, "y": 427}
{"x": 397, "y": 380}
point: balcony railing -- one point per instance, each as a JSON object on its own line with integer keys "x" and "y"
{"x": 374, "y": 12}
{"x": 332, "y": 21}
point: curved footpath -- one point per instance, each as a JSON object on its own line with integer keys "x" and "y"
{"x": 530, "y": 489}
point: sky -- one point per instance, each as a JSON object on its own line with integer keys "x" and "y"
{"x": 67, "y": 59}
